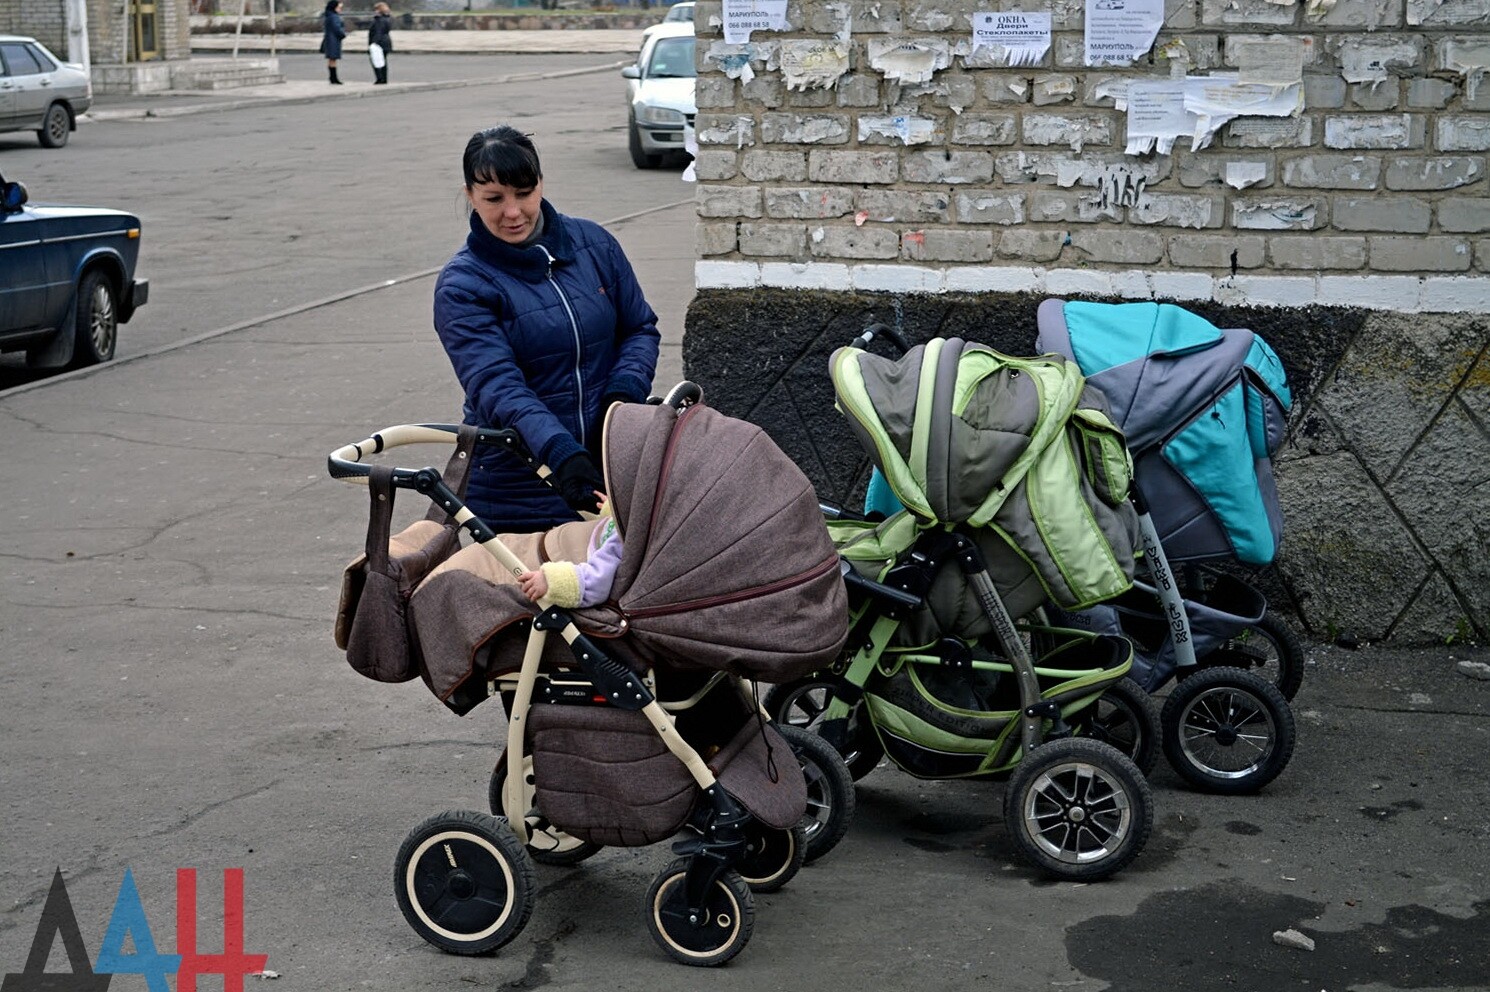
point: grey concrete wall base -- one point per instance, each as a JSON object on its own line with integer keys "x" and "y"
{"x": 1385, "y": 478}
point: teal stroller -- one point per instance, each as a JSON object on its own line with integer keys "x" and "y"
{"x": 1204, "y": 410}
{"x": 1015, "y": 484}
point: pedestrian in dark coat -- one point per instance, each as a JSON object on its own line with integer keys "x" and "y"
{"x": 379, "y": 44}
{"x": 546, "y": 326}
{"x": 332, "y": 32}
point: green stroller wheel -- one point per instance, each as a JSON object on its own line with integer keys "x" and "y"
{"x": 463, "y": 882}
{"x": 772, "y": 856}
{"x": 830, "y": 790}
{"x": 546, "y": 843}
{"x": 802, "y": 703}
{"x": 724, "y": 928}
{"x": 1078, "y": 809}
{"x": 1127, "y": 718}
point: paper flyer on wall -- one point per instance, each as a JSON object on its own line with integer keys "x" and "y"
{"x": 1157, "y": 115}
{"x": 744, "y": 16}
{"x": 1118, "y": 32}
{"x": 1022, "y": 37}
{"x": 1214, "y": 100}
{"x": 1272, "y": 61}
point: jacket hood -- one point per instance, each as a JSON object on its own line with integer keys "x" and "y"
{"x": 530, "y": 263}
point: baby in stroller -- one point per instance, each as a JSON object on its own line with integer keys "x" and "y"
{"x": 640, "y": 725}
{"x": 587, "y": 583}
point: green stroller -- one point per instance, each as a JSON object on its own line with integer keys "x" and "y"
{"x": 1015, "y": 483}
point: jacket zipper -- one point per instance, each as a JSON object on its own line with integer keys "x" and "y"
{"x": 754, "y": 592}
{"x": 579, "y": 379}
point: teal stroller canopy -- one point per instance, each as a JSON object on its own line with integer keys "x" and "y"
{"x": 1204, "y": 409}
{"x": 1022, "y": 447}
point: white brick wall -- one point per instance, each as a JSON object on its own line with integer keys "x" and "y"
{"x": 984, "y": 165}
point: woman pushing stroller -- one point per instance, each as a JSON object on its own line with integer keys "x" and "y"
{"x": 546, "y": 326}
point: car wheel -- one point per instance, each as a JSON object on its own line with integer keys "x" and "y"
{"x": 639, "y": 157}
{"x": 55, "y": 127}
{"x": 96, "y": 320}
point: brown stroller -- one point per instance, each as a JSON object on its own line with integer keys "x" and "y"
{"x": 642, "y": 724}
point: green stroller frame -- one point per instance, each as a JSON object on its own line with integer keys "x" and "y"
{"x": 970, "y": 699}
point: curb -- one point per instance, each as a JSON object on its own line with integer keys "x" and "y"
{"x": 137, "y": 113}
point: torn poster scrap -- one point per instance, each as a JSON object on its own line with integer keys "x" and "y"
{"x": 744, "y": 16}
{"x": 908, "y": 61}
{"x": 1240, "y": 175}
{"x": 1214, "y": 100}
{"x": 690, "y": 145}
{"x": 908, "y": 130}
{"x": 1014, "y": 38}
{"x": 1469, "y": 56}
{"x": 1118, "y": 32}
{"x": 734, "y": 60}
{"x": 814, "y": 63}
{"x": 1272, "y": 61}
{"x": 1157, "y": 115}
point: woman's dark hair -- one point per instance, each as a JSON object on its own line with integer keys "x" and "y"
{"x": 331, "y": 6}
{"x": 501, "y": 154}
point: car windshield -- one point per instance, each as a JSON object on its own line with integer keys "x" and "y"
{"x": 672, "y": 58}
{"x": 682, "y": 12}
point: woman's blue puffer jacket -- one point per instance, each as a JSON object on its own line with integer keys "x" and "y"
{"x": 539, "y": 338}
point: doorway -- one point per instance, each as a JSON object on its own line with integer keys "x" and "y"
{"x": 143, "y": 30}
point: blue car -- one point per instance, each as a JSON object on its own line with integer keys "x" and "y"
{"x": 67, "y": 279}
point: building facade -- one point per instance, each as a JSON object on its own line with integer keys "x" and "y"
{"x": 1312, "y": 169}
{"x": 120, "y": 32}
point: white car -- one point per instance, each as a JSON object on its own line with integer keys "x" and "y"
{"x": 679, "y": 13}
{"x": 39, "y": 92}
{"x": 659, "y": 92}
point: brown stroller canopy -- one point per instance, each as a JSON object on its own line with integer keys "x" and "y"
{"x": 728, "y": 564}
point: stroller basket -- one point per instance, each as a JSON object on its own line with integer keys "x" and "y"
{"x": 937, "y": 722}
{"x": 1220, "y": 608}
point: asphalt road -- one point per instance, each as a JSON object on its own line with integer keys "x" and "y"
{"x": 248, "y": 213}
{"x": 170, "y": 695}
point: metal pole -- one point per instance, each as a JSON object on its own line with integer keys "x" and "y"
{"x": 124, "y": 55}
{"x": 77, "y": 35}
{"x": 238, "y": 32}
{"x": 272, "y": 37}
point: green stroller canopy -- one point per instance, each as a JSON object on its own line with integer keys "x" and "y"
{"x": 968, "y": 435}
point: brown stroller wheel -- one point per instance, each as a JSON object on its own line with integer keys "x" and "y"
{"x": 463, "y": 882}
{"x": 772, "y": 856}
{"x": 546, "y": 843}
{"x": 720, "y": 932}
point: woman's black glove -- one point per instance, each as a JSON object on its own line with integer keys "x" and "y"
{"x": 577, "y": 478}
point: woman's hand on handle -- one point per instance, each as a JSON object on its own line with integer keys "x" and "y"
{"x": 578, "y": 480}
